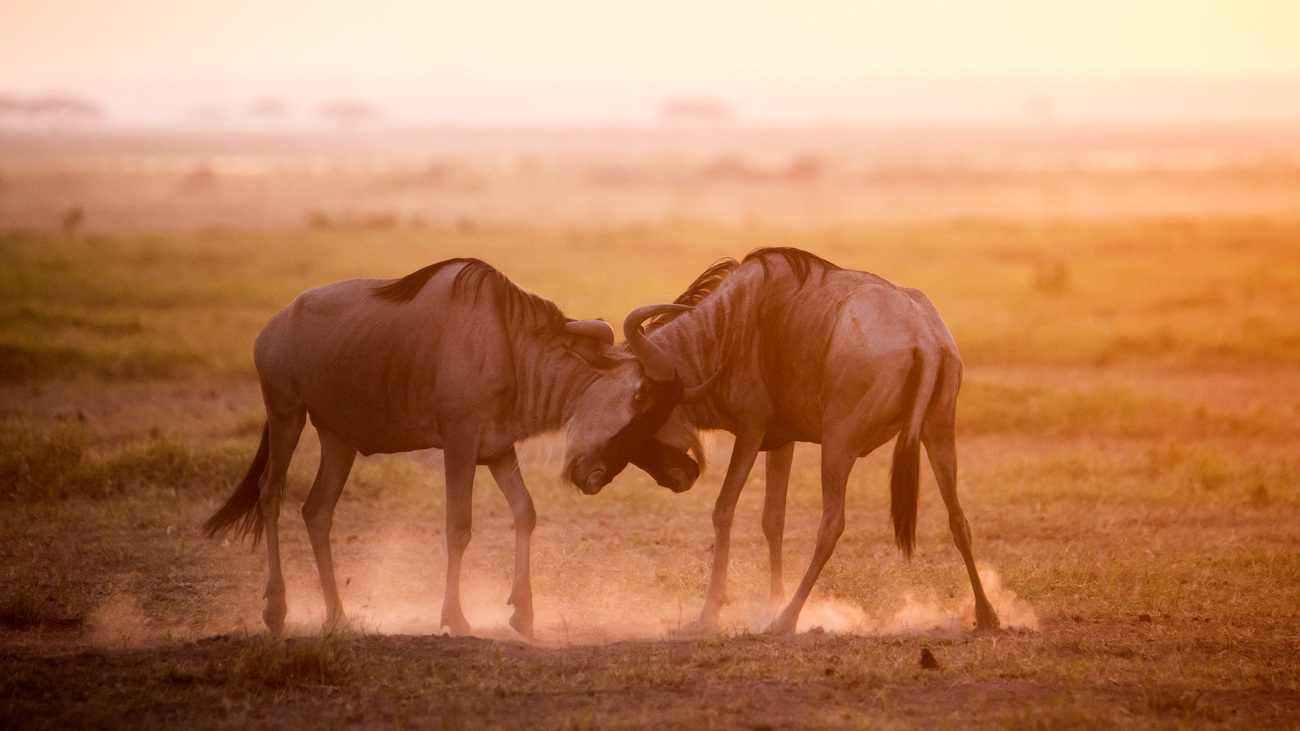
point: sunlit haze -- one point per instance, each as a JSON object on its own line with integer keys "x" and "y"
{"x": 583, "y": 60}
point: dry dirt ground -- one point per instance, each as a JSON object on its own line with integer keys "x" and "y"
{"x": 1151, "y": 561}
{"x": 1127, "y": 436}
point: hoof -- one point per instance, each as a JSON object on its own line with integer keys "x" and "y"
{"x": 522, "y": 622}
{"x": 276, "y": 608}
{"x": 458, "y": 625}
{"x": 274, "y": 620}
{"x": 461, "y": 629}
{"x": 986, "y": 620}
{"x": 698, "y": 628}
{"x": 784, "y": 625}
{"x": 334, "y": 624}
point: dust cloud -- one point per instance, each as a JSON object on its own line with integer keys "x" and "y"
{"x": 920, "y": 617}
{"x": 119, "y": 622}
{"x": 603, "y": 602}
{"x": 588, "y": 589}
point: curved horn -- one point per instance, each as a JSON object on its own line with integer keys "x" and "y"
{"x": 695, "y": 393}
{"x": 597, "y": 329}
{"x": 656, "y": 363}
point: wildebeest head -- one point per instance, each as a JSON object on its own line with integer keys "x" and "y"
{"x": 631, "y": 416}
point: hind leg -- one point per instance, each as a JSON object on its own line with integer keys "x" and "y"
{"x": 459, "y": 464}
{"x": 285, "y": 426}
{"x": 777, "y": 484}
{"x": 940, "y": 444}
{"x": 336, "y": 460}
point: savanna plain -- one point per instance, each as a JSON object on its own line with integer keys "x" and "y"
{"x": 1127, "y": 435}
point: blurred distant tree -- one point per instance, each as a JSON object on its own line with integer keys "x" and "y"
{"x": 57, "y": 106}
{"x": 268, "y": 107}
{"x": 72, "y": 219}
{"x": 349, "y": 112}
{"x": 212, "y": 114}
{"x": 51, "y": 111}
{"x": 57, "y": 111}
{"x": 805, "y": 168}
{"x": 694, "y": 111}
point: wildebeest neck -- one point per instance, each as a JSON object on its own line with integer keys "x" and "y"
{"x": 736, "y": 312}
{"x": 548, "y": 382}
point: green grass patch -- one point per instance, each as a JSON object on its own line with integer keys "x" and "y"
{"x": 24, "y": 362}
{"x": 145, "y": 307}
{"x": 990, "y": 408}
{"x": 59, "y": 464}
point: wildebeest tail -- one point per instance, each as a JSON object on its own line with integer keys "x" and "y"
{"x": 905, "y": 473}
{"x": 241, "y": 513}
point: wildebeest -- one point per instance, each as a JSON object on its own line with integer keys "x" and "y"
{"x": 453, "y": 356}
{"x": 808, "y": 352}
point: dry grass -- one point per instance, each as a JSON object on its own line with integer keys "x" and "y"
{"x": 1127, "y": 433}
{"x": 1211, "y": 294}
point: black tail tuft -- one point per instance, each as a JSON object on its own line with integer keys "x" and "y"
{"x": 904, "y": 488}
{"x": 905, "y": 472}
{"x": 241, "y": 513}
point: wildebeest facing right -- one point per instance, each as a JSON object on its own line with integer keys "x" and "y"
{"x": 808, "y": 352}
{"x": 453, "y": 356}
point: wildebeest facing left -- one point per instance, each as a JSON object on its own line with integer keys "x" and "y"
{"x": 809, "y": 352}
{"x": 453, "y": 356}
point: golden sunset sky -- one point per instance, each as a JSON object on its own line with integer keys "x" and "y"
{"x": 653, "y": 46}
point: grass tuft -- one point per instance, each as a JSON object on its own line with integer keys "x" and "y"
{"x": 295, "y": 662}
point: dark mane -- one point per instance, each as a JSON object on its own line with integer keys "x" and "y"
{"x": 702, "y": 287}
{"x": 520, "y": 308}
{"x": 800, "y": 262}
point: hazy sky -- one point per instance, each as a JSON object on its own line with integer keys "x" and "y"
{"x": 559, "y": 39}
{"x": 48, "y": 43}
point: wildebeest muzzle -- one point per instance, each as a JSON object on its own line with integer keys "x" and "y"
{"x": 635, "y": 443}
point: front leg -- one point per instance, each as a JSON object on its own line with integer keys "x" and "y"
{"x": 505, "y": 471}
{"x": 743, "y": 455}
{"x": 837, "y": 462}
{"x": 459, "y": 464}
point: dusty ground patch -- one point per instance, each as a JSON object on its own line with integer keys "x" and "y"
{"x": 744, "y": 681}
{"x": 1160, "y": 563}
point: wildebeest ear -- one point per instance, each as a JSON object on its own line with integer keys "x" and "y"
{"x": 591, "y": 354}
